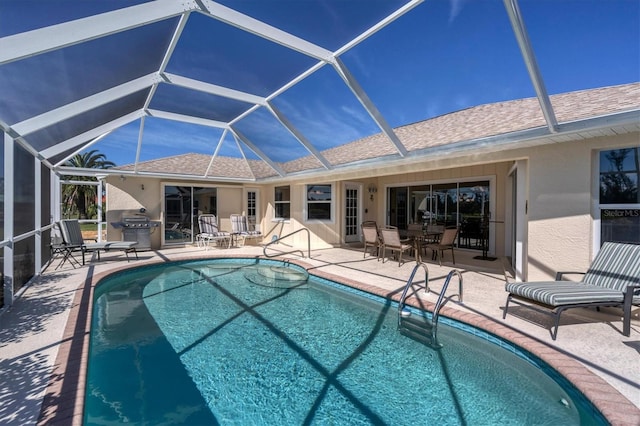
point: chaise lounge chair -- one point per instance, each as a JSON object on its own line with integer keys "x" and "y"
{"x": 210, "y": 232}
{"x": 73, "y": 241}
{"x": 240, "y": 229}
{"x": 613, "y": 279}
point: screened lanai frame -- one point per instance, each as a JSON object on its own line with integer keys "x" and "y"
{"x": 63, "y": 131}
{"x": 56, "y": 133}
{"x": 51, "y": 129}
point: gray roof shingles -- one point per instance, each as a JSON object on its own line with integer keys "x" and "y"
{"x": 465, "y": 125}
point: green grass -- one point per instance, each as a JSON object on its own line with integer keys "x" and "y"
{"x": 88, "y": 226}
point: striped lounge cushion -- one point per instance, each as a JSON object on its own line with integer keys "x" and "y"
{"x": 616, "y": 266}
{"x": 558, "y": 293}
{"x": 218, "y": 234}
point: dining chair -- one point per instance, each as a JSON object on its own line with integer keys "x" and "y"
{"x": 446, "y": 242}
{"x": 371, "y": 236}
{"x": 391, "y": 240}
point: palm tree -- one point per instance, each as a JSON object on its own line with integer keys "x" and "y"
{"x": 80, "y": 195}
{"x": 616, "y": 185}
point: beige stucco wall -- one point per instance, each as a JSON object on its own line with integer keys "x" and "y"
{"x": 126, "y": 196}
{"x": 322, "y": 234}
{"x": 560, "y": 236}
{"x": 561, "y": 193}
{"x": 229, "y": 202}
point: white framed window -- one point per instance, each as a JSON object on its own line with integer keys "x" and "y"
{"x": 252, "y": 201}
{"x": 282, "y": 202}
{"x": 619, "y": 198}
{"x": 319, "y": 202}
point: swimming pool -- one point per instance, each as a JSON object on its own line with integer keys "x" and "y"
{"x": 217, "y": 342}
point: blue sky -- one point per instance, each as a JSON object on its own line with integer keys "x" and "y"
{"x": 441, "y": 57}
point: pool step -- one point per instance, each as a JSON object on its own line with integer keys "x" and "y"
{"x": 278, "y": 277}
{"x": 419, "y": 329}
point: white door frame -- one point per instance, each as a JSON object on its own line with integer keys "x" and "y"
{"x": 245, "y": 205}
{"x": 518, "y": 235}
{"x": 358, "y": 187}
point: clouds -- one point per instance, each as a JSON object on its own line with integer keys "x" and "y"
{"x": 160, "y": 138}
{"x": 455, "y": 9}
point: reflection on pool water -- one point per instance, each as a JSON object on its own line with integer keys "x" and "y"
{"x": 221, "y": 342}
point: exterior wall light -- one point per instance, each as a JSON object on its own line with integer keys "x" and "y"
{"x": 372, "y": 190}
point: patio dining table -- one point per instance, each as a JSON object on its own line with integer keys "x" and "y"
{"x": 418, "y": 238}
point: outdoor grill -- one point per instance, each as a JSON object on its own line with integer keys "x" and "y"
{"x": 137, "y": 228}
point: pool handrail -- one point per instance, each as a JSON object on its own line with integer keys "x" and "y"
{"x": 276, "y": 240}
{"x": 442, "y": 300}
{"x": 403, "y": 297}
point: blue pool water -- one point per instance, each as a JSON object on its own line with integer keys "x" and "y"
{"x": 197, "y": 343}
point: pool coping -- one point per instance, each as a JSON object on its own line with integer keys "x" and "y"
{"x": 63, "y": 402}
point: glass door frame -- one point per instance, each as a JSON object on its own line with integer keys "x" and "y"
{"x": 193, "y": 211}
{"x": 460, "y": 182}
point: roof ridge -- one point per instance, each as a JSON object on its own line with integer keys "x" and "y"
{"x": 156, "y": 159}
{"x": 470, "y": 123}
{"x": 515, "y": 101}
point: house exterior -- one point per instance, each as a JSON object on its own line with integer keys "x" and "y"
{"x": 142, "y": 81}
{"x": 544, "y": 201}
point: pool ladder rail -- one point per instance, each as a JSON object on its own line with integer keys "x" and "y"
{"x": 419, "y": 327}
{"x": 277, "y": 239}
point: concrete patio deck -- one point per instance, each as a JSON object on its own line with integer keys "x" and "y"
{"x": 44, "y": 335}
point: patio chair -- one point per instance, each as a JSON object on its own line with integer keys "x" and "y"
{"x": 240, "y": 229}
{"x": 371, "y": 236}
{"x": 73, "y": 241}
{"x": 391, "y": 241}
{"x": 416, "y": 233}
{"x": 434, "y": 232}
{"x": 59, "y": 249}
{"x": 210, "y": 232}
{"x": 613, "y": 279}
{"x": 447, "y": 241}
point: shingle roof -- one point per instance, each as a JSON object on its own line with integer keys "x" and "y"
{"x": 198, "y": 164}
{"x": 466, "y": 125}
{"x": 195, "y": 164}
{"x": 494, "y": 119}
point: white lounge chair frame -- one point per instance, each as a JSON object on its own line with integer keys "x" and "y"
{"x": 240, "y": 229}
{"x": 210, "y": 232}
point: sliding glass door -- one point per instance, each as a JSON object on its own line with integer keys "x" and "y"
{"x": 177, "y": 214}
{"x": 397, "y": 208}
{"x": 182, "y": 206}
{"x": 462, "y": 204}
{"x": 445, "y": 204}
{"x": 473, "y": 214}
